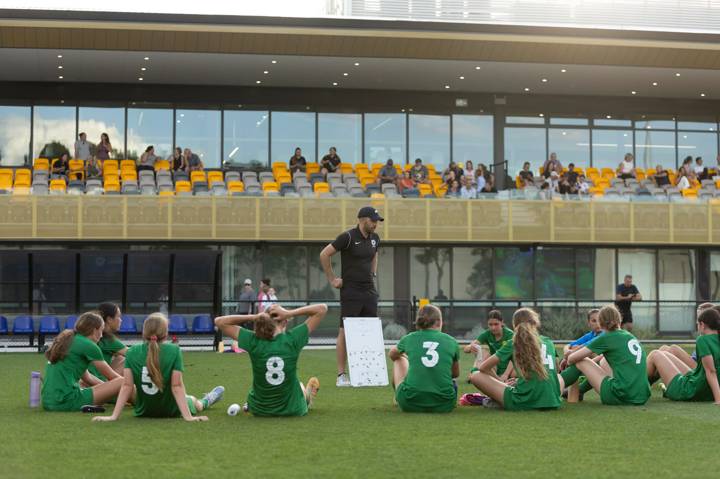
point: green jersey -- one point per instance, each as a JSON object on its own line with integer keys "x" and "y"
{"x": 429, "y": 382}
{"x": 109, "y": 346}
{"x": 626, "y": 357}
{"x": 693, "y": 385}
{"x": 494, "y": 345}
{"x": 150, "y": 401}
{"x": 533, "y": 392}
{"x": 276, "y": 389}
{"x": 61, "y": 389}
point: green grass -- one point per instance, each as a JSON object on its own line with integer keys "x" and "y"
{"x": 352, "y": 433}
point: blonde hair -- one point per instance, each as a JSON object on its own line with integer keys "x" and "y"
{"x": 609, "y": 317}
{"x": 86, "y": 324}
{"x": 265, "y": 326}
{"x": 155, "y": 330}
{"x": 428, "y": 316}
{"x": 527, "y": 354}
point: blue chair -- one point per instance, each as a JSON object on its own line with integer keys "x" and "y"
{"x": 203, "y": 324}
{"x": 128, "y": 325}
{"x": 70, "y": 322}
{"x": 49, "y": 325}
{"x": 3, "y": 325}
{"x": 177, "y": 324}
{"x": 23, "y": 325}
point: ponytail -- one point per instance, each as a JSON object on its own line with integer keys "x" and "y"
{"x": 60, "y": 346}
{"x": 265, "y": 326}
{"x": 155, "y": 329}
{"x": 609, "y": 317}
{"x": 526, "y": 345}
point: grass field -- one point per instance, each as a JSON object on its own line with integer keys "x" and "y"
{"x": 352, "y": 433}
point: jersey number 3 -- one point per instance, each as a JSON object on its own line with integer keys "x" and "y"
{"x": 148, "y": 386}
{"x": 430, "y": 362}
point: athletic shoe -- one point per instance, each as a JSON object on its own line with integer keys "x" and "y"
{"x": 214, "y": 396}
{"x": 92, "y": 408}
{"x": 662, "y": 387}
{"x": 343, "y": 381}
{"x": 473, "y": 399}
{"x": 245, "y": 408}
{"x": 312, "y": 388}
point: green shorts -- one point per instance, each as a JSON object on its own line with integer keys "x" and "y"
{"x": 79, "y": 398}
{"x": 418, "y": 401}
{"x": 610, "y": 397}
{"x": 681, "y": 389}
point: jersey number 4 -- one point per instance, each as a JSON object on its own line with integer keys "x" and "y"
{"x": 548, "y": 359}
{"x": 434, "y": 357}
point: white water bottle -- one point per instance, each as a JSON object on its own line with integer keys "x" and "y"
{"x": 34, "y": 389}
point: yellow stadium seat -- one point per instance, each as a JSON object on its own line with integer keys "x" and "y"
{"x": 235, "y": 187}
{"x": 689, "y": 193}
{"x": 425, "y": 189}
{"x": 541, "y": 170}
{"x": 77, "y": 169}
{"x": 409, "y": 166}
{"x": 183, "y": 186}
{"x": 111, "y": 165}
{"x": 58, "y": 185}
{"x": 129, "y": 176}
{"x": 366, "y": 179}
{"x": 41, "y": 164}
{"x": 592, "y": 172}
{"x": 111, "y": 183}
{"x": 162, "y": 165}
{"x": 166, "y": 193}
{"x": 283, "y": 178}
{"x": 270, "y": 186}
{"x": 6, "y": 179}
{"x": 311, "y": 168}
{"x": 377, "y": 196}
{"x": 440, "y": 190}
{"x": 608, "y": 173}
{"x": 399, "y": 169}
{"x": 198, "y": 176}
{"x": 23, "y": 177}
{"x": 519, "y": 184}
{"x": 129, "y": 164}
{"x": 215, "y": 177}
{"x": 650, "y": 172}
{"x": 321, "y": 187}
{"x": 597, "y": 191}
{"x": 346, "y": 168}
{"x": 431, "y": 168}
{"x": 279, "y": 166}
{"x": 361, "y": 168}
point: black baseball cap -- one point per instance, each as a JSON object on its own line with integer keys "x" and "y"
{"x": 370, "y": 212}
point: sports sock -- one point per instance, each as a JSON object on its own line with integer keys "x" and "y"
{"x": 585, "y": 386}
{"x": 205, "y": 404}
{"x": 570, "y": 375}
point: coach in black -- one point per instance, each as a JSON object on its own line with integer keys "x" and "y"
{"x": 358, "y": 297}
{"x": 625, "y": 293}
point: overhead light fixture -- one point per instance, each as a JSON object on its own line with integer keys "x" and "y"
{"x": 461, "y": 77}
{"x": 357, "y": 64}
{"x": 563, "y": 71}
{"x": 608, "y": 117}
{"x": 60, "y": 77}
{"x": 403, "y": 110}
{"x": 60, "y": 67}
{"x": 633, "y": 92}
{"x": 140, "y": 78}
{"x": 258, "y": 82}
{"x": 147, "y": 58}
{"x": 702, "y": 94}
{"x": 447, "y": 87}
{"x": 62, "y": 101}
{"x": 542, "y": 114}
{"x": 526, "y": 89}
{"x": 477, "y": 68}
{"x": 544, "y": 80}
{"x": 265, "y": 72}
{"x": 274, "y": 62}
{"x": 335, "y": 83}
{"x": 677, "y": 74}
{"x": 564, "y": 133}
{"x": 654, "y": 83}
{"x": 143, "y": 69}
{"x": 59, "y": 56}
{"x": 345, "y": 74}
{"x": 182, "y": 115}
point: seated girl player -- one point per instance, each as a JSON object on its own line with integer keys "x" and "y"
{"x": 112, "y": 348}
{"x": 700, "y": 383}
{"x": 489, "y": 342}
{"x": 69, "y": 357}
{"x": 274, "y": 352}
{"x": 424, "y": 365}
{"x": 155, "y": 369}
{"x": 534, "y": 358}
{"x": 621, "y": 377}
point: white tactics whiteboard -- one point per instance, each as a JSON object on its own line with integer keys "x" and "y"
{"x": 366, "y": 352}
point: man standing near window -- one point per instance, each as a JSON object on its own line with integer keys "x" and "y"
{"x": 82, "y": 148}
{"x": 625, "y": 293}
{"x": 358, "y": 296}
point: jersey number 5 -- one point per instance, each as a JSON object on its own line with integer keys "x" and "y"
{"x": 148, "y": 386}
{"x": 430, "y": 362}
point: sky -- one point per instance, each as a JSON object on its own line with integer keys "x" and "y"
{"x": 283, "y": 8}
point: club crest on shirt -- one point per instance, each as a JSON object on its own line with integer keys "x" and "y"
{"x": 373, "y": 242}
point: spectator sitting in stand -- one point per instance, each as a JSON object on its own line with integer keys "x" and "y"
{"x": 177, "y": 160}
{"x": 406, "y": 182}
{"x": 468, "y": 190}
{"x": 93, "y": 168}
{"x": 469, "y": 172}
{"x": 489, "y": 186}
{"x": 700, "y": 171}
{"x": 297, "y": 162}
{"x": 449, "y": 178}
{"x": 60, "y": 167}
{"x": 552, "y": 164}
{"x": 388, "y": 174}
{"x": 330, "y": 162}
{"x": 419, "y": 172}
{"x": 193, "y": 161}
{"x": 683, "y": 182}
{"x": 626, "y": 168}
{"x": 147, "y": 160}
{"x": 568, "y": 183}
{"x": 572, "y": 174}
{"x": 526, "y": 176}
{"x": 687, "y": 169}
{"x": 552, "y": 183}
{"x": 661, "y": 177}
{"x": 582, "y": 185}
{"x": 455, "y": 169}
{"x": 454, "y": 190}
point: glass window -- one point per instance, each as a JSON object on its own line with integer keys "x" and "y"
{"x": 513, "y": 273}
{"x": 715, "y": 276}
{"x": 246, "y": 138}
{"x": 14, "y": 135}
{"x": 14, "y": 279}
{"x": 286, "y": 267}
{"x": 430, "y": 272}
{"x": 654, "y": 148}
{"x": 430, "y": 139}
{"x": 698, "y": 144}
{"x": 585, "y": 273}
{"x": 239, "y": 263}
{"x": 610, "y": 122}
{"x": 149, "y": 126}
{"x": 641, "y": 265}
{"x": 148, "y": 276}
{"x": 472, "y": 273}
{"x": 53, "y": 282}
{"x": 194, "y": 282}
{"x": 604, "y": 275}
{"x": 697, "y": 125}
{"x": 656, "y": 124}
{"x": 676, "y": 282}
{"x": 524, "y": 144}
{"x": 472, "y": 139}
{"x": 570, "y": 121}
{"x": 199, "y": 130}
{"x": 571, "y": 146}
{"x": 528, "y": 120}
{"x": 386, "y": 272}
{"x": 292, "y": 130}
{"x": 610, "y": 146}
{"x": 555, "y": 273}
{"x": 101, "y": 277}
{"x": 344, "y": 132}
{"x": 385, "y": 138}
{"x": 96, "y": 121}
{"x": 53, "y": 131}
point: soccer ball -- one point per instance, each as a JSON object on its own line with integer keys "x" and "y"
{"x": 233, "y": 409}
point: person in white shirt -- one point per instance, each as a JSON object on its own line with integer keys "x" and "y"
{"x": 626, "y": 169}
{"x": 469, "y": 172}
{"x": 468, "y": 191}
{"x": 82, "y": 148}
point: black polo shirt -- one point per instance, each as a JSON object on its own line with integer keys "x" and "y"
{"x": 624, "y": 305}
{"x": 356, "y": 255}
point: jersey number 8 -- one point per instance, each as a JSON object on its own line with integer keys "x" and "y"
{"x": 275, "y": 374}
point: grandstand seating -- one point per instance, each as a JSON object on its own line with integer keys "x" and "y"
{"x": 3, "y": 325}
{"x": 70, "y": 322}
{"x": 177, "y": 324}
{"x": 128, "y": 325}
{"x": 23, "y": 325}
{"x": 203, "y": 324}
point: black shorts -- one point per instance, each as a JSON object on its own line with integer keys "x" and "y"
{"x": 360, "y": 306}
{"x": 626, "y": 317}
